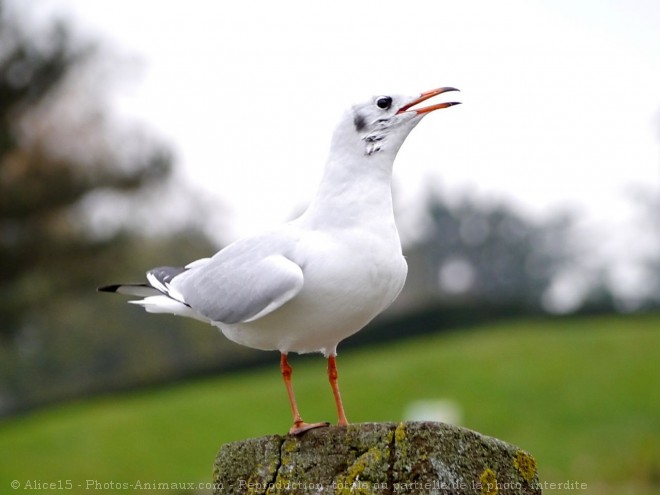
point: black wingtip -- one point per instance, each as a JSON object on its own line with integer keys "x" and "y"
{"x": 108, "y": 288}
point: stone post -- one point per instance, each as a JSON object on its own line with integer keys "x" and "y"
{"x": 379, "y": 458}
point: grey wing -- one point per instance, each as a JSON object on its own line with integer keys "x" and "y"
{"x": 237, "y": 286}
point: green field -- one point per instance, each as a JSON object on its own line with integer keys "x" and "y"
{"x": 581, "y": 394}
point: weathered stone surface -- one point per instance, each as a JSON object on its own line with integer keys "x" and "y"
{"x": 382, "y": 458}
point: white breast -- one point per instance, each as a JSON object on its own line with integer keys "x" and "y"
{"x": 348, "y": 280}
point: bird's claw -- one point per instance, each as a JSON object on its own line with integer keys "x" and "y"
{"x": 300, "y": 428}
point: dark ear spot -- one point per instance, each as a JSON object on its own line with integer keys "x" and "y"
{"x": 359, "y": 122}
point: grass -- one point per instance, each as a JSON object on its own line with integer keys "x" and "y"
{"x": 581, "y": 394}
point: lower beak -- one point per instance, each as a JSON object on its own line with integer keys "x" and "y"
{"x": 425, "y": 96}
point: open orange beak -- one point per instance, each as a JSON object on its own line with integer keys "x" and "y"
{"x": 425, "y": 96}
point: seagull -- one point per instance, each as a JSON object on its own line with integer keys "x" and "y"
{"x": 308, "y": 284}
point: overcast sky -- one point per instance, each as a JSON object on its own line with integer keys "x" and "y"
{"x": 561, "y": 98}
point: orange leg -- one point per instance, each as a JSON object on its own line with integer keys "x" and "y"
{"x": 332, "y": 376}
{"x": 299, "y": 426}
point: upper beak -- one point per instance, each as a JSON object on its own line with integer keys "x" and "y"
{"x": 425, "y": 96}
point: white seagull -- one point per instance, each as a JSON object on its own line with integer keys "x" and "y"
{"x": 308, "y": 284}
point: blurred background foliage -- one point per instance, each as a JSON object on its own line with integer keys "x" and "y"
{"x": 60, "y": 147}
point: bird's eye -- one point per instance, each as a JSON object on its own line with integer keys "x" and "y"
{"x": 384, "y": 102}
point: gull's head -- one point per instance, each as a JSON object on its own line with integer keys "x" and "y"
{"x": 380, "y": 126}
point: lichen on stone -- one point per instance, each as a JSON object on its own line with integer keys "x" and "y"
{"x": 360, "y": 476}
{"x": 401, "y": 446}
{"x": 400, "y": 433}
{"x": 525, "y": 464}
{"x": 488, "y": 482}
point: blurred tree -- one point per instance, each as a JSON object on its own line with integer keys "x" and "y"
{"x": 42, "y": 248}
{"x": 481, "y": 255}
{"x": 63, "y": 158}
{"x": 649, "y": 201}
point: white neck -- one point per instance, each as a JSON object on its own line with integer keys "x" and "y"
{"x": 356, "y": 187}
